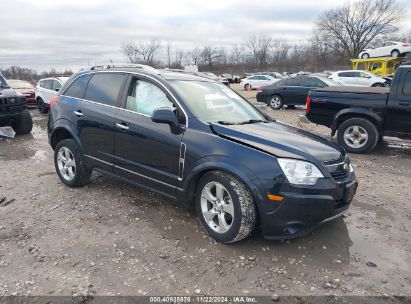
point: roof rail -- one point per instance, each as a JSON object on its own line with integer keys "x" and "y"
{"x": 143, "y": 67}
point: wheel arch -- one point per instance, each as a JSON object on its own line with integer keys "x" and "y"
{"x": 62, "y": 132}
{"x": 343, "y": 115}
{"x": 192, "y": 180}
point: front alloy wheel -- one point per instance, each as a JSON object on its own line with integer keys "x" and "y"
{"x": 225, "y": 207}
{"x": 217, "y": 207}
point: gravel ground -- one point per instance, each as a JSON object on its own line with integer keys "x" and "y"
{"x": 109, "y": 238}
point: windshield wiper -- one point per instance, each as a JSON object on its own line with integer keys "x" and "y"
{"x": 251, "y": 121}
{"x": 223, "y": 122}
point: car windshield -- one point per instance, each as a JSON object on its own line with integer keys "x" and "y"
{"x": 3, "y": 82}
{"x": 213, "y": 102}
{"x": 329, "y": 82}
{"x": 19, "y": 84}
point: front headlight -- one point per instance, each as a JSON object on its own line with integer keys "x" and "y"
{"x": 300, "y": 172}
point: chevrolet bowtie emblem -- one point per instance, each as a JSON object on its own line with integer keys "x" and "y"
{"x": 346, "y": 167}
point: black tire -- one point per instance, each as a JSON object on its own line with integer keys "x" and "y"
{"x": 42, "y": 106}
{"x": 81, "y": 174}
{"x": 365, "y": 56}
{"x": 378, "y": 85}
{"x": 247, "y": 87}
{"x": 275, "y": 102}
{"x": 245, "y": 217}
{"x": 361, "y": 123}
{"x": 24, "y": 124}
{"x": 395, "y": 53}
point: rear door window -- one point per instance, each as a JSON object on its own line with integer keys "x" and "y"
{"x": 295, "y": 82}
{"x": 313, "y": 83}
{"x": 346, "y": 74}
{"x": 406, "y": 90}
{"x": 48, "y": 84}
{"x": 105, "y": 88}
{"x": 76, "y": 89}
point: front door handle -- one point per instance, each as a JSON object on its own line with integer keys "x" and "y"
{"x": 122, "y": 126}
{"x": 78, "y": 113}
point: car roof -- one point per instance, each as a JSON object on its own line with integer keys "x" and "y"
{"x": 159, "y": 74}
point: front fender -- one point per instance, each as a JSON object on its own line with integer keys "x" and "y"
{"x": 223, "y": 163}
{"x": 359, "y": 112}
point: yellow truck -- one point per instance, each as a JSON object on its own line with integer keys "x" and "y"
{"x": 382, "y": 67}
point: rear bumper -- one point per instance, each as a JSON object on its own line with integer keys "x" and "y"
{"x": 300, "y": 214}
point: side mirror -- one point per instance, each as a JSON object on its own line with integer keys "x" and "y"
{"x": 56, "y": 90}
{"x": 167, "y": 116}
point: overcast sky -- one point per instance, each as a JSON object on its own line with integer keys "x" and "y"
{"x": 41, "y": 34}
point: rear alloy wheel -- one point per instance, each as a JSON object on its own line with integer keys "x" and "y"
{"x": 358, "y": 135}
{"x": 276, "y": 102}
{"x": 69, "y": 164}
{"x": 225, "y": 207}
{"x": 395, "y": 53}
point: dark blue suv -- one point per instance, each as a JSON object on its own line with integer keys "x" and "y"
{"x": 197, "y": 141}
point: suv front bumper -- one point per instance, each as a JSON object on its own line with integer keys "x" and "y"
{"x": 299, "y": 214}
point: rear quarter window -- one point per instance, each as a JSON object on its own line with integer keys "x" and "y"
{"x": 76, "y": 89}
{"x": 104, "y": 88}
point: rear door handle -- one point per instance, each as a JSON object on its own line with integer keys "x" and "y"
{"x": 122, "y": 126}
{"x": 78, "y": 113}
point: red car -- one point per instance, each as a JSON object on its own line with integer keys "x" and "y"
{"x": 25, "y": 88}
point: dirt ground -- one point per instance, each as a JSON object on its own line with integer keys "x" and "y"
{"x": 110, "y": 238}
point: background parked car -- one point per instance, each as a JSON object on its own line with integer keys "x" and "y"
{"x": 25, "y": 88}
{"x": 46, "y": 89}
{"x": 358, "y": 79}
{"x": 236, "y": 79}
{"x": 389, "y": 48}
{"x": 292, "y": 91}
{"x": 255, "y": 81}
{"x": 229, "y": 77}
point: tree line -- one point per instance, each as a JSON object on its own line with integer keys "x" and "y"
{"x": 338, "y": 35}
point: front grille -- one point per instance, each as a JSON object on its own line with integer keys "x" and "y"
{"x": 340, "y": 175}
{"x": 335, "y": 161}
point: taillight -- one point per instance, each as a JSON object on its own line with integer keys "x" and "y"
{"x": 308, "y": 104}
{"x": 260, "y": 88}
{"x": 53, "y": 101}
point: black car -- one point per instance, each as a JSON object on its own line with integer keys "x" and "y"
{"x": 196, "y": 141}
{"x": 292, "y": 91}
{"x": 13, "y": 109}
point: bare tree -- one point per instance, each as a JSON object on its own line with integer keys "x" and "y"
{"x": 141, "y": 51}
{"x": 168, "y": 52}
{"x": 352, "y": 27}
{"x": 237, "y": 54}
{"x": 209, "y": 55}
{"x": 179, "y": 58}
{"x": 260, "y": 47}
{"x": 195, "y": 56}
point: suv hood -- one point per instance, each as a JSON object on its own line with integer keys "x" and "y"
{"x": 281, "y": 140}
{"x": 7, "y": 92}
